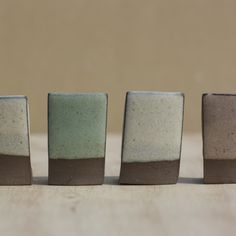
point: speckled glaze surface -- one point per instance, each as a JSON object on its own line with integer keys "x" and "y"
{"x": 77, "y": 125}
{"x": 14, "y": 130}
{"x": 219, "y": 126}
{"x": 152, "y": 126}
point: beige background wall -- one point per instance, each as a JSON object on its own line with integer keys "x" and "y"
{"x": 115, "y": 46}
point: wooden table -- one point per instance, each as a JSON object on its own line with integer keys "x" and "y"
{"x": 188, "y": 208}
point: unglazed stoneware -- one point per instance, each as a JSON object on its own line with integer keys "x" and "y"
{"x": 76, "y": 138}
{"x": 152, "y": 136}
{"x": 219, "y": 137}
{"x": 15, "y": 166}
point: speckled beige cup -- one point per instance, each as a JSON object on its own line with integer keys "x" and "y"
{"x": 152, "y": 138}
{"x": 15, "y": 167}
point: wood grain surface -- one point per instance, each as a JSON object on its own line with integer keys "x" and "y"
{"x": 188, "y": 208}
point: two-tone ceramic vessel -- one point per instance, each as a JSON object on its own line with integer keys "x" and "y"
{"x": 152, "y": 136}
{"x": 15, "y": 166}
{"x": 76, "y": 138}
{"x": 219, "y": 137}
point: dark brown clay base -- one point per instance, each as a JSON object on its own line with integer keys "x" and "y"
{"x": 76, "y": 171}
{"x": 158, "y": 172}
{"x": 15, "y": 170}
{"x": 219, "y": 171}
